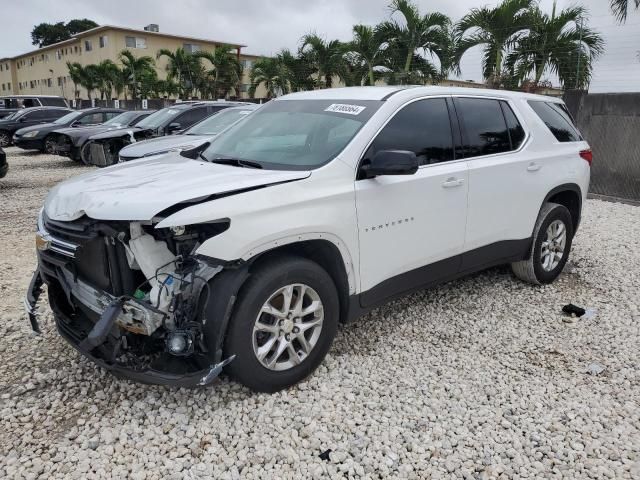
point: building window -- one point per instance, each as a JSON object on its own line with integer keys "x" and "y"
{"x": 87, "y": 46}
{"x": 75, "y": 49}
{"x": 1, "y": 67}
{"x": 49, "y": 82}
{"x": 59, "y": 81}
{"x": 191, "y": 47}
{"x": 103, "y": 41}
{"x": 247, "y": 64}
{"x": 3, "y": 87}
{"x": 244, "y": 87}
{"x": 135, "y": 42}
{"x": 8, "y": 86}
{"x": 32, "y": 84}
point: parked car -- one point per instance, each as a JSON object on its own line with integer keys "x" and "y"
{"x": 4, "y": 166}
{"x": 70, "y": 140}
{"x": 25, "y": 118}
{"x": 194, "y": 137}
{"x": 41, "y": 137}
{"x": 12, "y": 103}
{"x": 316, "y": 208}
{"x": 103, "y": 149}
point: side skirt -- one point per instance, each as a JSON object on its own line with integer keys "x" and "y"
{"x": 439, "y": 272}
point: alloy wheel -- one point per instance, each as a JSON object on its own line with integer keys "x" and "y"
{"x": 553, "y": 246}
{"x": 288, "y": 327}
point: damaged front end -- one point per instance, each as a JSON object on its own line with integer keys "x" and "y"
{"x": 103, "y": 152}
{"x": 135, "y": 299}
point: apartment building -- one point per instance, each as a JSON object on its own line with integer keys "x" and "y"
{"x": 44, "y": 71}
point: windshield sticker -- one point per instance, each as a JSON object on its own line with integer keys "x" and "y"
{"x": 344, "y": 108}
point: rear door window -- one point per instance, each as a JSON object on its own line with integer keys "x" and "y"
{"x": 422, "y": 127}
{"x": 53, "y": 101}
{"x": 484, "y": 128}
{"x": 557, "y": 120}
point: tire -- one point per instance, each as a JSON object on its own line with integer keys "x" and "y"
{"x": 538, "y": 268}
{"x": 5, "y": 138}
{"x": 246, "y": 343}
{"x": 49, "y": 145}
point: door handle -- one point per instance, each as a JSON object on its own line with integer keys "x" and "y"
{"x": 452, "y": 182}
{"x": 533, "y": 167}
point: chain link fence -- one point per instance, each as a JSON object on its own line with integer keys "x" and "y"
{"x": 610, "y": 123}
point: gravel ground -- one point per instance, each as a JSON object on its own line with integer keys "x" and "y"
{"x": 480, "y": 378}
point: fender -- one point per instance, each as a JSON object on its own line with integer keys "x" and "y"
{"x": 255, "y": 251}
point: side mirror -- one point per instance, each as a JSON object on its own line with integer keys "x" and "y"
{"x": 22, "y": 119}
{"x": 174, "y": 127}
{"x": 391, "y": 162}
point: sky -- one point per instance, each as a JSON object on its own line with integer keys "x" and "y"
{"x": 266, "y": 26}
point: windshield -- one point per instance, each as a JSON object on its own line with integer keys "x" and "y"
{"x": 218, "y": 122}
{"x": 159, "y": 118}
{"x": 121, "y": 120}
{"x": 69, "y": 117}
{"x": 293, "y": 134}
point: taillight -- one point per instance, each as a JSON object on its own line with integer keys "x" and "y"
{"x": 587, "y": 155}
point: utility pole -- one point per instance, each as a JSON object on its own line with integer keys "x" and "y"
{"x": 579, "y": 54}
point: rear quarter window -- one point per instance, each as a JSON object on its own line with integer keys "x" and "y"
{"x": 557, "y": 120}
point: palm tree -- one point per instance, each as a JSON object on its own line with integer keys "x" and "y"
{"x": 75, "y": 73}
{"x": 272, "y": 73}
{"x": 426, "y": 34}
{"x": 620, "y": 8}
{"x": 183, "y": 67}
{"x": 367, "y": 47}
{"x": 90, "y": 79}
{"x": 227, "y": 70}
{"x": 497, "y": 29}
{"x": 298, "y": 70}
{"x": 559, "y": 44}
{"x": 134, "y": 69}
{"x": 109, "y": 75}
{"x": 326, "y": 57}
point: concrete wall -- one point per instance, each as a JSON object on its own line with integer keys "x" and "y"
{"x": 610, "y": 122}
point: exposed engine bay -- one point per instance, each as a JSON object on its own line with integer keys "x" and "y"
{"x": 137, "y": 294}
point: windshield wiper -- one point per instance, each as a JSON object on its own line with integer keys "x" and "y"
{"x": 237, "y": 162}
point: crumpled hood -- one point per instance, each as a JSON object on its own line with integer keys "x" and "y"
{"x": 140, "y": 189}
{"x": 115, "y": 133}
{"x": 77, "y": 134}
{"x": 162, "y": 144}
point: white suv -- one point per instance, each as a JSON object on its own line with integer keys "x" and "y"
{"x": 246, "y": 253}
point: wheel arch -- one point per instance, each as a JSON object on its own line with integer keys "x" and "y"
{"x": 570, "y": 196}
{"x": 323, "y": 252}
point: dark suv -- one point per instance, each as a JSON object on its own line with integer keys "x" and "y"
{"x": 13, "y": 103}
{"x": 102, "y": 149}
{"x": 41, "y": 137}
{"x": 27, "y": 117}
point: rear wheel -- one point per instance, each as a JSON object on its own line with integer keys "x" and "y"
{"x": 5, "y": 138}
{"x": 552, "y": 239}
{"x": 284, "y": 324}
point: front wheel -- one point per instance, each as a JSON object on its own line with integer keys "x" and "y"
{"x": 5, "y": 139}
{"x": 284, "y": 324}
{"x": 552, "y": 237}
{"x": 50, "y": 145}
